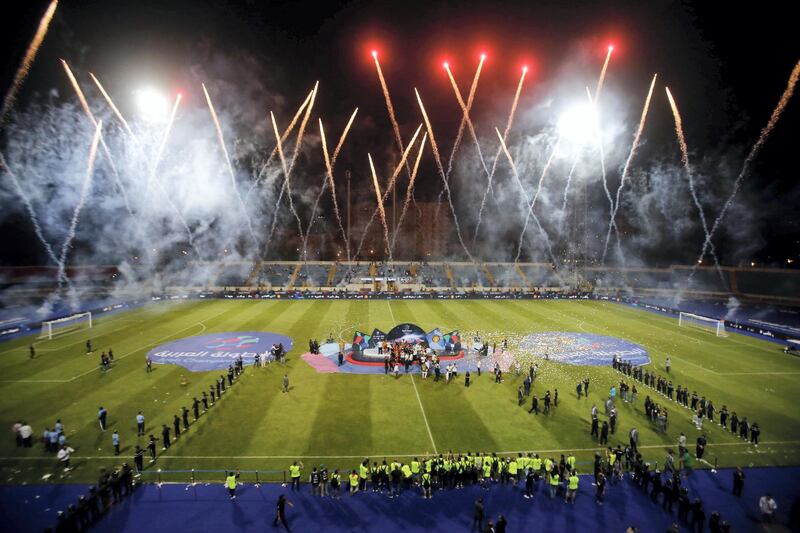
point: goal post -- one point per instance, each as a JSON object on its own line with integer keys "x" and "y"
{"x": 64, "y": 324}
{"x": 705, "y": 323}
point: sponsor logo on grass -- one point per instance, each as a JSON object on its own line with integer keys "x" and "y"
{"x": 217, "y": 350}
{"x": 582, "y": 348}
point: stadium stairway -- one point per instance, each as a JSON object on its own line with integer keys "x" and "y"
{"x": 522, "y": 276}
{"x": 449, "y": 272}
{"x": 293, "y": 277}
{"x": 253, "y": 277}
{"x": 331, "y": 275}
{"x": 489, "y": 276}
{"x": 207, "y": 507}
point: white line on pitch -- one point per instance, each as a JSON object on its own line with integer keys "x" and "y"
{"x": 424, "y": 417}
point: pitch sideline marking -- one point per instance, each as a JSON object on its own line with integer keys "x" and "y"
{"x": 421, "y": 454}
{"x": 424, "y": 416}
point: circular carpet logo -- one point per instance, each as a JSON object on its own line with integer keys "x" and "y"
{"x": 217, "y": 351}
{"x": 586, "y": 349}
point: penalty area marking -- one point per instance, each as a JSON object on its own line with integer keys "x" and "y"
{"x": 73, "y": 378}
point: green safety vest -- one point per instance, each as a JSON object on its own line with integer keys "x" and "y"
{"x": 537, "y": 463}
{"x": 231, "y": 482}
{"x": 428, "y": 465}
{"x": 612, "y": 459}
{"x": 363, "y": 471}
{"x": 406, "y": 471}
{"x": 415, "y": 467}
{"x": 548, "y": 465}
{"x": 512, "y": 468}
{"x": 554, "y": 479}
{"x": 353, "y": 480}
{"x": 295, "y": 470}
{"x": 426, "y": 480}
{"x": 521, "y": 463}
{"x": 487, "y": 470}
{"x": 571, "y": 461}
{"x": 573, "y": 482}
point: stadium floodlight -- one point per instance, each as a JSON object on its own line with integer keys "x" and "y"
{"x": 702, "y": 322}
{"x": 152, "y": 104}
{"x": 576, "y": 125}
{"x": 64, "y": 324}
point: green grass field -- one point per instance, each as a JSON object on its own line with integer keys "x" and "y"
{"x": 338, "y": 418}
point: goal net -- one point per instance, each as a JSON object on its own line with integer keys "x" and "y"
{"x": 65, "y": 324}
{"x": 702, "y": 322}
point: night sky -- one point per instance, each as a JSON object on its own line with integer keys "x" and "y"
{"x": 727, "y": 64}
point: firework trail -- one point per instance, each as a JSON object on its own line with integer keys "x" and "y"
{"x": 27, "y": 61}
{"x": 113, "y": 107}
{"x": 596, "y": 120}
{"x": 497, "y": 155}
{"x": 391, "y": 182}
{"x": 410, "y": 190}
{"x": 328, "y": 180}
{"x": 31, "y": 212}
{"x": 287, "y": 170}
{"x": 530, "y": 212}
{"x": 625, "y": 168}
{"x": 465, "y": 119}
{"x": 762, "y": 138}
{"x": 379, "y": 198}
{"x": 87, "y": 183}
{"x": 569, "y": 181}
{"x": 283, "y": 138}
{"x": 230, "y": 165}
{"x": 85, "y": 105}
{"x": 439, "y": 167}
{"x": 598, "y": 88}
{"x": 602, "y": 77}
{"x": 154, "y": 177}
{"x": 389, "y": 106}
{"x": 687, "y": 167}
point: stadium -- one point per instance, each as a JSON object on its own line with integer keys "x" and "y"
{"x": 440, "y": 277}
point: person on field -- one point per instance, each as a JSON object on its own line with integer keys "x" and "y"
{"x": 286, "y": 383}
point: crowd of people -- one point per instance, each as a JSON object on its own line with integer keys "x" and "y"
{"x": 112, "y": 487}
{"x": 551, "y": 476}
{"x": 703, "y": 409}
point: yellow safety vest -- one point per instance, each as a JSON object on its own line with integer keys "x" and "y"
{"x": 363, "y": 471}
{"x": 554, "y": 479}
{"x": 537, "y": 464}
{"x": 415, "y": 467}
{"x": 573, "y": 482}
{"x": 353, "y": 480}
{"x": 231, "y": 482}
{"x": 295, "y": 470}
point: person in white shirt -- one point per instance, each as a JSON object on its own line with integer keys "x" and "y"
{"x": 63, "y": 456}
{"x": 26, "y": 431}
{"x": 767, "y": 506}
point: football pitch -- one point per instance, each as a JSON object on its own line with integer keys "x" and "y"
{"x": 338, "y": 418}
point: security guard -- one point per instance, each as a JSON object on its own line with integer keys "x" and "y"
{"x": 294, "y": 472}
{"x": 230, "y": 482}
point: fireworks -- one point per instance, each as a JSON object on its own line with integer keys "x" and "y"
{"x": 762, "y": 138}
{"x": 410, "y": 190}
{"x": 27, "y": 61}
{"x": 634, "y": 146}
{"x": 87, "y": 183}
{"x": 687, "y": 168}
{"x": 379, "y": 198}
{"x": 228, "y": 163}
{"x": 509, "y": 122}
{"x": 439, "y": 167}
{"x": 106, "y": 151}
